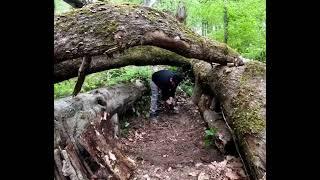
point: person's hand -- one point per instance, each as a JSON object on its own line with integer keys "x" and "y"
{"x": 173, "y": 101}
{"x": 170, "y": 101}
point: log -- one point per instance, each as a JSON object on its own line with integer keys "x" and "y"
{"x": 85, "y": 139}
{"x": 139, "y": 56}
{"x": 242, "y": 95}
{"x": 109, "y": 29}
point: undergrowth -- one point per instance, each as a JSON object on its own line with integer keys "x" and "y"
{"x": 112, "y": 77}
{"x": 209, "y": 136}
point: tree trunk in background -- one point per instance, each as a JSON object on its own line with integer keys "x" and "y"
{"x": 99, "y": 28}
{"x": 83, "y": 143}
{"x": 225, "y": 22}
{"x": 181, "y": 13}
{"x": 204, "y": 28}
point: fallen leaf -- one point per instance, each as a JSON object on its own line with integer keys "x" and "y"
{"x": 212, "y": 166}
{"x": 203, "y": 176}
{"x": 194, "y": 174}
{"x": 156, "y": 170}
{"x": 223, "y": 163}
{"x": 146, "y": 176}
{"x": 229, "y": 158}
{"x": 112, "y": 156}
{"x": 235, "y": 165}
{"x": 242, "y": 173}
{"x": 198, "y": 164}
{"x": 232, "y": 175}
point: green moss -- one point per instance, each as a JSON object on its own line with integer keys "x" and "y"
{"x": 106, "y": 28}
{"x": 151, "y": 17}
{"x": 248, "y": 121}
{"x": 253, "y": 69}
{"x": 247, "y": 116}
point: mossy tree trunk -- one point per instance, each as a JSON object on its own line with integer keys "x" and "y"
{"x": 139, "y": 56}
{"x": 84, "y": 145}
{"x": 100, "y": 28}
{"x": 241, "y": 92}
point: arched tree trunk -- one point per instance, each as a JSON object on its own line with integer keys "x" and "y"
{"x": 139, "y": 56}
{"x": 100, "y": 28}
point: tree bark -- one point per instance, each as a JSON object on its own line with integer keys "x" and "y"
{"x": 181, "y": 13}
{"x": 242, "y": 94}
{"x": 139, "y": 56}
{"x": 225, "y": 22}
{"x": 84, "y": 147}
{"x": 82, "y": 74}
{"x": 99, "y": 28}
{"x": 75, "y": 3}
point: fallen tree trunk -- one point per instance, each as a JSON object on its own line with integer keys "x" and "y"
{"x": 139, "y": 56}
{"x": 242, "y": 95}
{"x": 84, "y": 147}
{"x": 99, "y": 28}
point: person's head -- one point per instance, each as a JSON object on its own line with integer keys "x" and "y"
{"x": 176, "y": 79}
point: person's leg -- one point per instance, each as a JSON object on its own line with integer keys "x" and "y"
{"x": 154, "y": 99}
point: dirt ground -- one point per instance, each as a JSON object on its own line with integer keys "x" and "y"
{"x": 174, "y": 148}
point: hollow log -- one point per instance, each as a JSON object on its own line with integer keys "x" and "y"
{"x": 84, "y": 146}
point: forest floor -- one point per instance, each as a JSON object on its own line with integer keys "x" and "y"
{"x": 174, "y": 148}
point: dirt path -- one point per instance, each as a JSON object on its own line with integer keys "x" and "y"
{"x": 174, "y": 147}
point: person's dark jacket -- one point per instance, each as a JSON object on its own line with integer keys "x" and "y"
{"x": 162, "y": 80}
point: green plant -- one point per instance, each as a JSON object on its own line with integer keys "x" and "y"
{"x": 187, "y": 86}
{"x": 61, "y": 7}
{"x": 105, "y": 78}
{"x": 124, "y": 128}
{"x": 209, "y": 136}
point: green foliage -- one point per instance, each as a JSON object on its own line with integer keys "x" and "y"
{"x": 246, "y": 22}
{"x": 209, "y": 136}
{"x": 105, "y": 78}
{"x": 64, "y": 88}
{"x": 187, "y": 86}
{"x": 140, "y": 106}
{"x": 124, "y": 126}
{"x": 61, "y": 7}
{"x": 112, "y": 77}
